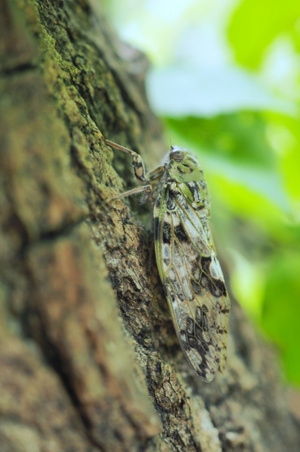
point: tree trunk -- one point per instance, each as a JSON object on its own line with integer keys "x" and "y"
{"x": 88, "y": 361}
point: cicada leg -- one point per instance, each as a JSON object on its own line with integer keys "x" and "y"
{"x": 137, "y": 162}
{"x": 146, "y": 188}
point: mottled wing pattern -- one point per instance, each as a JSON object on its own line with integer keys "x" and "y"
{"x": 192, "y": 278}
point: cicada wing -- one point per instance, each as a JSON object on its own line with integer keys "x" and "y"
{"x": 193, "y": 282}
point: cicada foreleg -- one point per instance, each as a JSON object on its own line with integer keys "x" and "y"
{"x": 139, "y": 171}
{"x": 137, "y": 161}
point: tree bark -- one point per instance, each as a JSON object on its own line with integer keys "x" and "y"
{"x": 89, "y": 358}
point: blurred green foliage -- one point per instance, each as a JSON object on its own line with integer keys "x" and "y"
{"x": 225, "y": 81}
{"x": 255, "y": 25}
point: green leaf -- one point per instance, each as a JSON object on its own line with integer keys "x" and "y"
{"x": 280, "y": 318}
{"x": 239, "y": 137}
{"x": 255, "y": 24}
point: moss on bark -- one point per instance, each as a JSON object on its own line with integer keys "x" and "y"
{"x": 87, "y": 360}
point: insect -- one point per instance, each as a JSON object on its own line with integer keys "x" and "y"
{"x": 186, "y": 258}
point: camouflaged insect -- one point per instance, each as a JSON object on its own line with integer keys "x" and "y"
{"x": 186, "y": 258}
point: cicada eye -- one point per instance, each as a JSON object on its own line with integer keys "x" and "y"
{"x": 177, "y": 156}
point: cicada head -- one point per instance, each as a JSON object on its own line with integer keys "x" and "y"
{"x": 182, "y": 165}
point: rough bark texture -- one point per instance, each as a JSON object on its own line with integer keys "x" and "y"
{"x": 87, "y": 360}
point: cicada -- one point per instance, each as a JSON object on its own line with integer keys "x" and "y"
{"x": 186, "y": 258}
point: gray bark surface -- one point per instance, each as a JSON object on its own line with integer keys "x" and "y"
{"x": 89, "y": 360}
